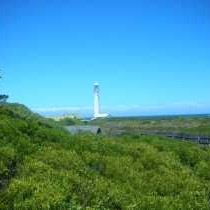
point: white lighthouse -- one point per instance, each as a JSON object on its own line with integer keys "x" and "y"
{"x": 97, "y": 106}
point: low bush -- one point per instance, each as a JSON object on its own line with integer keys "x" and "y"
{"x": 43, "y": 167}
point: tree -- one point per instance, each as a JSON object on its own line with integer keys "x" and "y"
{"x": 3, "y": 97}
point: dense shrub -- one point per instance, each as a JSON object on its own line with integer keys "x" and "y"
{"x": 44, "y": 167}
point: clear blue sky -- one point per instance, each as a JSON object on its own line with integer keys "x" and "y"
{"x": 150, "y": 56}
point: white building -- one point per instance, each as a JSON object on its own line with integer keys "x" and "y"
{"x": 97, "y": 106}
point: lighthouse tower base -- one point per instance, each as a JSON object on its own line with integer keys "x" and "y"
{"x": 101, "y": 115}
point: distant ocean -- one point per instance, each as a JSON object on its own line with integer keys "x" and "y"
{"x": 88, "y": 115}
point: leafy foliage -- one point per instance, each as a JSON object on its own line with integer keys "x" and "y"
{"x": 70, "y": 121}
{"x": 3, "y": 97}
{"x": 44, "y": 167}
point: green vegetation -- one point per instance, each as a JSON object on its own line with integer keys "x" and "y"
{"x": 67, "y": 120}
{"x": 3, "y": 97}
{"x": 44, "y": 167}
{"x": 70, "y": 121}
{"x": 198, "y": 124}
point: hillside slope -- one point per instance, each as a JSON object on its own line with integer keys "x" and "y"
{"x": 44, "y": 167}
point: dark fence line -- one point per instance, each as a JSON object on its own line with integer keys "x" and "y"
{"x": 201, "y": 139}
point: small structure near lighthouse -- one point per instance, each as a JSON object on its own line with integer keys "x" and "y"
{"x": 97, "y": 106}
